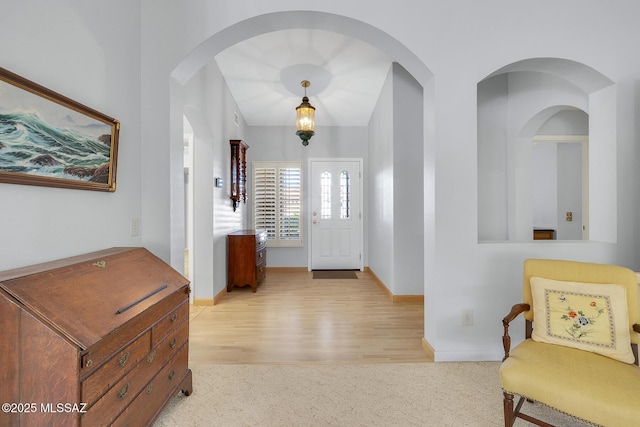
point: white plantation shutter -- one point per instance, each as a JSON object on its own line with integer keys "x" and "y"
{"x": 289, "y": 204}
{"x": 277, "y": 201}
{"x": 264, "y": 200}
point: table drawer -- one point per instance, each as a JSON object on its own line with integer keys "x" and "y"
{"x": 169, "y": 322}
{"x": 108, "y": 374}
{"x": 162, "y": 387}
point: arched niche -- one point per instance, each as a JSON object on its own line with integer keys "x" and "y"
{"x": 515, "y": 104}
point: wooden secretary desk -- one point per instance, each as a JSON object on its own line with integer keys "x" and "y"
{"x": 97, "y": 339}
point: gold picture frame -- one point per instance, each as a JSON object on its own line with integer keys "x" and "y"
{"x": 49, "y": 140}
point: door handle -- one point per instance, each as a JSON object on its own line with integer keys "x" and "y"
{"x": 315, "y": 221}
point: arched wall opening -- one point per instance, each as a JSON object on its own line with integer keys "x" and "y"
{"x": 560, "y": 175}
{"x": 216, "y": 43}
{"x": 514, "y": 104}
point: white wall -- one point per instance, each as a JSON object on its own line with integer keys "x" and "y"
{"x": 128, "y": 56}
{"x": 210, "y": 108}
{"x": 395, "y": 197}
{"x": 90, "y": 54}
{"x": 408, "y": 188}
{"x": 493, "y": 117}
{"x": 603, "y": 160}
{"x": 544, "y": 186}
{"x": 380, "y": 197}
{"x": 569, "y": 191}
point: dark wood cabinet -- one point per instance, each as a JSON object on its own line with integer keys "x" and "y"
{"x": 238, "y": 172}
{"x": 103, "y": 334}
{"x": 247, "y": 258}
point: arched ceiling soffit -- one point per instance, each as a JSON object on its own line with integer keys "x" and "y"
{"x": 532, "y": 126}
{"x": 276, "y": 21}
{"x": 582, "y": 76}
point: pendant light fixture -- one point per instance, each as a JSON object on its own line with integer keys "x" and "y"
{"x": 305, "y": 117}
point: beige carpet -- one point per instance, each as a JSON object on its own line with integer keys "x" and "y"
{"x": 412, "y": 394}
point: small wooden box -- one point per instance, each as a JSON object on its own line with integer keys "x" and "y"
{"x": 543, "y": 234}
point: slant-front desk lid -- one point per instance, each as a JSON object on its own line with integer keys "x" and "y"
{"x": 130, "y": 279}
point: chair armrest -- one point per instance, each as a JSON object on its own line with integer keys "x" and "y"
{"x": 506, "y": 339}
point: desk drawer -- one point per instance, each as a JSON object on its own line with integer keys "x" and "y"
{"x": 169, "y": 322}
{"x": 172, "y": 343}
{"x": 162, "y": 387}
{"x": 122, "y": 393}
{"x": 106, "y": 376}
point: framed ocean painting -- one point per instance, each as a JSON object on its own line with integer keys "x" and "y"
{"x": 50, "y": 140}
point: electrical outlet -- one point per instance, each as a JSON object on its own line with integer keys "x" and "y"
{"x": 134, "y": 227}
{"x": 467, "y": 318}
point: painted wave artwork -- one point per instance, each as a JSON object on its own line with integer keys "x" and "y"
{"x": 30, "y": 145}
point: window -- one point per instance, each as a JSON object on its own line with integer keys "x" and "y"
{"x": 345, "y": 195}
{"x": 277, "y": 201}
{"x": 325, "y": 195}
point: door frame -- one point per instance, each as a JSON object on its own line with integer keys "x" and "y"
{"x": 361, "y": 204}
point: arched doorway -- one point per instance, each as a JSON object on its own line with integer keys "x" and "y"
{"x": 209, "y": 48}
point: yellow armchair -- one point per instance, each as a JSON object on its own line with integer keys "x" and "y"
{"x": 580, "y": 357}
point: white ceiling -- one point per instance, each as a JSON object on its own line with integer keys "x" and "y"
{"x": 264, "y": 75}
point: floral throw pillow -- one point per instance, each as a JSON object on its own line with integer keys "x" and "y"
{"x": 586, "y": 316}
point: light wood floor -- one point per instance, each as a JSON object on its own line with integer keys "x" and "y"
{"x": 294, "y": 318}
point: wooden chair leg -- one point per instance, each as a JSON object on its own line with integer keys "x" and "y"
{"x": 509, "y": 417}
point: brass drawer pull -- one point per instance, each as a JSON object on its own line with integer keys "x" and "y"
{"x": 149, "y": 388}
{"x": 88, "y": 363}
{"x": 151, "y": 356}
{"x": 172, "y": 344}
{"x": 174, "y": 317}
{"x": 123, "y": 360}
{"x": 172, "y": 374}
{"x": 123, "y": 392}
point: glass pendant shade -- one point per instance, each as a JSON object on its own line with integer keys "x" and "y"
{"x": 305, "y": 118}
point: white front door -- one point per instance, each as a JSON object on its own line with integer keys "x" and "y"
{"x": 336, "y": 215}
